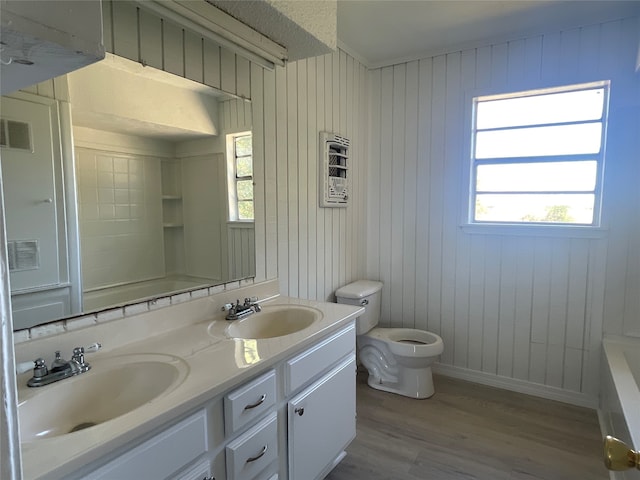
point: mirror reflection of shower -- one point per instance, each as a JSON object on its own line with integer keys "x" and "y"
{"x": 149, "y": 187}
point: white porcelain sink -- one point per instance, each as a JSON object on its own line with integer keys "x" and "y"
{"x": 113, "y": 387}
{"x": 274, "y": 321}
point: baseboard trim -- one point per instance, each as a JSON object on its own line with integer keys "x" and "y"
{"x": 517, "y": 385}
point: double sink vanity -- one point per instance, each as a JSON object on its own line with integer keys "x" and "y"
{"x": 181, "y": 393}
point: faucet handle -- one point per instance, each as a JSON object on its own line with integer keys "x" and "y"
{"x": 227, "y": 306}
{"x": 78, "y": 355}
{"x": 79, "y": 351}
{"x": 40, "y": 368}
{"x": 94, "y": 347}
{"x": 23, "y": 367}
{"x": 250, "y": 300}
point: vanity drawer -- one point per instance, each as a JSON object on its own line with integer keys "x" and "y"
{"x": 163, "y": 454}
{"x": 305, "y": 367}
{"x": 253, "y": 451}
{"x": 249, "y": 402}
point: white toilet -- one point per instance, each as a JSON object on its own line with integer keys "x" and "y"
{"x": 398, "y": 359}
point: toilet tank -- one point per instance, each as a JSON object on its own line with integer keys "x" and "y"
{"x": 364, "y": 293}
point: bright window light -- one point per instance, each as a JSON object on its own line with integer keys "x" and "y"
{"x": 240, "y": 176}
{"x": 540, "y": 141}
{"x": 538, "y": 156}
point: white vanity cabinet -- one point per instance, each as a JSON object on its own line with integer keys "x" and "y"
{"x": 322, "y": 422}
{"x": 168, "y": 455}
{"x": 252, "y": 454}
{"x": 321, "y": 418}
{"x": 249, "y": 402}
{"x": 290, "y": 422}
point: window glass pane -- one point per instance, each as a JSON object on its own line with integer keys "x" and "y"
{"x": 577, "y": 106}
{"x": 245, "y": 210}
{"x": 540, "y": 141}
{"x": 243, "y": 145}
{"x": 537, "y": 177}
{"x": 244, "y": 167}
{"x": 535, "y": 208}
{"x": 245, "y": 189}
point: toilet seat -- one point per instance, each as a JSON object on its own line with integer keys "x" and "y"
{"x": 409, "y": 342}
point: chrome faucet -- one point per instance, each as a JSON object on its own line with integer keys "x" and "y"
{"x": 61, "y": 368}
{"x": 237, "y": 311}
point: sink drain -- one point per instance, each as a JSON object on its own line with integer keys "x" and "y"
{"x": 82, "y": 426}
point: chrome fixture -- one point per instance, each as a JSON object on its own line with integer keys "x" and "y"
{"x": 61, "y": 368}
{"x": 237, "y": 311}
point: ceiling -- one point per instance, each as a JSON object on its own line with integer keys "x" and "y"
{"x": 384, "y": 32}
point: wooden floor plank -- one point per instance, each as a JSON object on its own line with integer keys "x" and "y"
{"x": 468, "y": 431}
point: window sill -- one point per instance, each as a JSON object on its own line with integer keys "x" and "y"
{"x": 564, "y": 231}
{"x": 241, "y": 223}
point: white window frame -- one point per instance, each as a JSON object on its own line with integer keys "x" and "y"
{"x": 472, "y": 225}
{"x": 232, "y": 178}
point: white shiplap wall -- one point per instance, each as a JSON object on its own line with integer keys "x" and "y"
{"x": 142, "y": 36}
{"x": 239, "y": 240}
{"x": 520, "y": 311}
{"x": 311, "y": 250}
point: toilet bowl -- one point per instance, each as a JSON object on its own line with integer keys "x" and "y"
{"x": 398, "y": 359}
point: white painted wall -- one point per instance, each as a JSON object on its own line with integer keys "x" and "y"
{"x": 115, "y": 95}
{"x": 239, "y": 242}
{"x": 523, "y": 311}
{"x": 311, "y": 250}
{"x": 204, "y": 207}
{"x": 142, "y": 36}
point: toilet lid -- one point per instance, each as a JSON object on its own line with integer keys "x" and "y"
{"x": 359, "y": 289}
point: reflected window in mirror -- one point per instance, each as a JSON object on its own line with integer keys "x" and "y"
{"x": 240, "y": 166}
{"x": 132, "y": 205}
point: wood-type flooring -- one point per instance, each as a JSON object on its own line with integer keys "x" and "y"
{"x": 468, "y": 431}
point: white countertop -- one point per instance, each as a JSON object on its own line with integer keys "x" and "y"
{"x": 215, "y": 363}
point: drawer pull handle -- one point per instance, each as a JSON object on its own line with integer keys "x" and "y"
{"x": 258, "y": 403}
{"x": 257, "y": 457}
{"x": 299, "y": 411}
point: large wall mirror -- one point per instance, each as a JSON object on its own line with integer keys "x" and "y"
{"x": 155, "y": 200}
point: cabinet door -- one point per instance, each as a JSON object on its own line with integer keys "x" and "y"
{"x": 158, "y": 457}
{"x": 322, "y": 422}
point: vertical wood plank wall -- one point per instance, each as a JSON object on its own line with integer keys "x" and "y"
{"x": 239, "y": 241}
{"x": 519, "y": 310}
{"x": 142, "y": 36}
{"x": 312, "y": 250}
